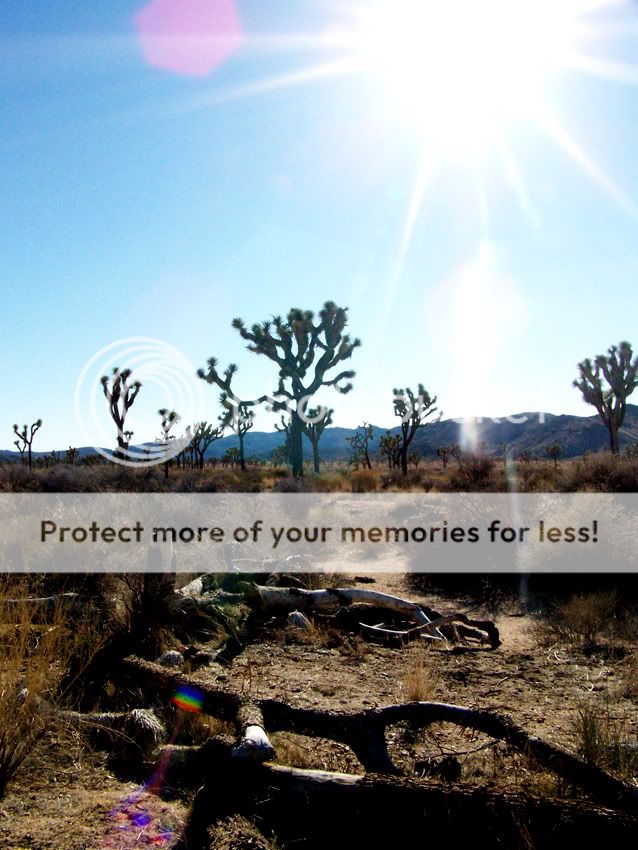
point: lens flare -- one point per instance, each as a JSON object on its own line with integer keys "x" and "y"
{"x": 189, "y": 36}
{"x": 188, "y": 699}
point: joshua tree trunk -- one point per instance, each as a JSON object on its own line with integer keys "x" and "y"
{"x": 613, "y": 438}
{"x": 296, "y": 445}
{"x": 404, "y": 460}
{"x": 315, "y": 456}
{"x": 242, "y": 460}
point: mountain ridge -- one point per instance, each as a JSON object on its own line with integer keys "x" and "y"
{"x": 522, "y": 432}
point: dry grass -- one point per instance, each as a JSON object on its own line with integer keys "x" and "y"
{"x": 420, "y": 683}
{"x": 604, "y": 736}
{"x": 600, "y": 472}
{"x": 35, "y": 656}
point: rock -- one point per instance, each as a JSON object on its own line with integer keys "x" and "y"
{"x": 297, "y": 620}
{"x": 171, "y": 659}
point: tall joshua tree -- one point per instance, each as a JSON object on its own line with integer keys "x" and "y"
{"x": 120, "y": 395}
{"x": 305, "y": 350}
{"x": 238, "y": 414}
{"x": 25, "y": 439}
{"x": 413, "y": 411}
{"x": 607, "y": 383}
{"x": 169, "y": 419}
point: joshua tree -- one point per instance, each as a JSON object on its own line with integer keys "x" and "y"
{"x": 360, "y": 443}
{"x": 304, "y": 350}
{"x": 607, "y": 383}
{"x": 390, "y": 445}
{"x": 169, "y": 419}
{"x": 415, "y": 459}
{"x": 120, "y": 396}
{"x": 71, "y": 456}
{"x": 413, "y": 412}
{"x": 240, "y": 418}
{"x": 203, "y": 436}
{"x": 314, "y": 424}
{"x": 25, "y": 439}
{"x": 238, "y": 413}
{"x": 231, "y": 456}
{"x": 554, "y": 452}
{"x": 280, "y": 455}
{"x": 444, "y": 455}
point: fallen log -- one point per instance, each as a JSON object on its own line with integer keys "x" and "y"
{"x": 299, "y": 805}
{"x": 365, "y": 732}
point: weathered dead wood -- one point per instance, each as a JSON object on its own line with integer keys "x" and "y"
{"x": 41, "y": 604}
{"x": 299, "y": 806}
{"x": 364, "y": 732}
{"x": 140, "y": 728}
{"x": 296, "y": 599}
{"x": 482, "y": 630}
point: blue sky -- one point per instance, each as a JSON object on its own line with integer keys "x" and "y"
{"x": 142, "y": 202}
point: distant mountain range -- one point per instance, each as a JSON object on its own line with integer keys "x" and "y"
{"x": 524, "y": 432}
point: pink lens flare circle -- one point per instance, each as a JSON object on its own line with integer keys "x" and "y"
{"x": 189, "y": 36}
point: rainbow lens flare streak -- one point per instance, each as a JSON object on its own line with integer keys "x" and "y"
{"x": 139, "y": 811}
{"x": 188, "y": 699}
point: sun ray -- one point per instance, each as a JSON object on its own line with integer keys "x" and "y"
{"x": 302, "y": 76}
{"x": 516, "y": 180}
{"x": 430, "y": 154}
{"x": 555, "y": 130}
{"x": 606, "y": 69}
{"x": 483, "y": 205}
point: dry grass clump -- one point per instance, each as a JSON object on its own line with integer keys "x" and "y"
{"x": 604, "y": 737}
{"x": 35, "y": 657}
{"x": 364, "y": 481}
{"x": 630, "y": 676}
{"x": 313, "y": 753}
{"x": 420, "y": 683}
{"x": 238, "y": 833}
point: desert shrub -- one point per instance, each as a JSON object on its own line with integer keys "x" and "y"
{"x": 474, "y": 471}
{"x": 363, "y": 481}
{"x": 295, "y": 485}
{"x": 606, "y": 474}
{"x": 15, "y": 478}
{"x": 583, "y": 617}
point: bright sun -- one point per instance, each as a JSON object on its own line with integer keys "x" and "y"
{"x": 465, "y": 68}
